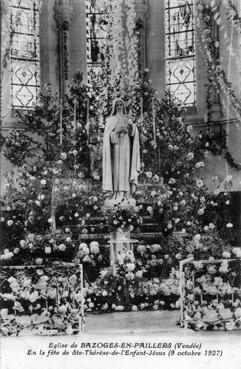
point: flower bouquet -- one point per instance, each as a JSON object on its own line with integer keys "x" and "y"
{"x": 122, "y": 218}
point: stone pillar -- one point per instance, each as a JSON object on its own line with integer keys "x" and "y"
{"x": 141, "y": 23}
{"x": 63, "y": 16}
{"x": 215, "y": 108}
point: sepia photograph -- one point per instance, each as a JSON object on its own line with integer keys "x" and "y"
{"x": 120, "y": 184}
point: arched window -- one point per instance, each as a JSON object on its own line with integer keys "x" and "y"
{"x": 180, "y": 50}
{"x": 24, "y": 53}
{"x": 96, "y": 32}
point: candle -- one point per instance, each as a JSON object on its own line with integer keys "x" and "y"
{"x": 75, "y": 119}
{"x": 61, "y": 121}
{"x": 154, "y": 120}
{"x": 87, "y": 118}
{"x": 141, "y": 106}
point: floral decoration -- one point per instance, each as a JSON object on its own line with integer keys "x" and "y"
{"x": 46, "y": 301}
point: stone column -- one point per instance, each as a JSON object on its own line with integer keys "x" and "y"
{"x": 63, "y": 16}
{"x": 141, "y": 21}
{"x": 215, "y": 108}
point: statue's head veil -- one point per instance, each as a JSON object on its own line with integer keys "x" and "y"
{"x": 113, "y": 110}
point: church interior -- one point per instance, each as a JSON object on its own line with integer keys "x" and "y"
{"x": 120, "y": 164}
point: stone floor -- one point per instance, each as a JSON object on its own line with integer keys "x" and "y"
{"x": 133, "y": 322}
{"x": 148, "y": 327}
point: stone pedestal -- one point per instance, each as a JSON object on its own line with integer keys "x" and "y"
{"x": 119, "y": 240}
{"x": 123, "y": 203}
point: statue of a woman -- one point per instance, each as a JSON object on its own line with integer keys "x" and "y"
{"x": 121, "y": 157}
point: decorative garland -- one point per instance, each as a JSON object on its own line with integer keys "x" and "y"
{"x": 217, "y": 77}
{"x": 209, "y": 13}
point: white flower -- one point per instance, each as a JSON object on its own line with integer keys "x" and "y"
{"x": 62, "y": 309}
{"x": 37, "y": 202}
{"x": 226, "y": 254}
{"x": 149, "y": 209}
{"x": 33, "y": 296}
{"x": 169, "y": 225}
{"x": 23, "y": 244}
{"x": 199, "y": 164}
{"x": 199, "y": 183}
{"x": 141, "y": 249}
{"x": 230, "y": 325}
{"x": 217, "y": 192}
{"x": 94, "y": 247}
{"x": 237, "y": 313}
{"x": 149, "y": 174}
{"x": 223, "y": 268}
{"x": 68, "y": 239}
{"x": 50, "y": 220}
{"x": 211, "y": 226}
{"x": 62, "y": 247}
{"x": 178, "y": 256}
{"x": 189, "y": 128}
{"x": 84, "y": 248}
{"x": 10, "y": 222}
{"x": 229, "y": 225}
{"x": 75, "y": 152}
{"x": 201, "y": 211}
{"x": 63, "y": 155}
{"x": 237, "y": 251}
{"x": 96, "y": 177}
{"x": 155, "y": 248}
{"x": 4, "y": 313}
{"x": 206, "y": 228}
{"x": 43, "y": 182}
{"x": 172, "y": 181}
{"x": 190, "y": 156}
{"x": 39, "y": 261}
{"x": 52, "y": 293}
{"x": 198, "y": 264}
{"x": 47, "y": 250}
{"x": 130, "y": 267}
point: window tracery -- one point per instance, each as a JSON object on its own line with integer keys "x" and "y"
{"x": 24, "y": 53}
{"x": 180, "y": 50}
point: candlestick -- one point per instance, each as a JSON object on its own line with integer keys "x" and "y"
{"x": 142, "y": 107}
{"x": 88, "y": 118}
{"x": 61, "y": 121}
{"x": 75, "y": 119}
{"x": 154, "y": 120}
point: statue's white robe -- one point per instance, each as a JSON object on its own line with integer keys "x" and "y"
{"x": 121, "y": 157}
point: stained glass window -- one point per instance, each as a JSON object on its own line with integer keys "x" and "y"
{"x": 180, "y": 50}
{"x": 96, "y": 32}
{"x": 24, "y": 53}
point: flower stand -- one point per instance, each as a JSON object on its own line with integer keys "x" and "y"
{"x": 42, "y": 300}
{"x": 120, "y": 240}
{"x": 210, "y": 294}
